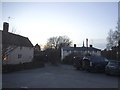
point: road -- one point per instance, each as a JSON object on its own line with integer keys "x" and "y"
{"x": 61, "y": 76}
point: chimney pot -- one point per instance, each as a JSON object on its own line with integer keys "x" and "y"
{"x": 86, "y": 42}
{"x": 91, "y": 46}
{"x": 5, "y": 26}
{"x": 74, "y": 45}
{"x": 83, "y": 44}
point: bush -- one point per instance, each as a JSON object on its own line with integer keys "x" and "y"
{"x": 68, "y": 59}
{"x": 17, "y": 67}
{"x": 71, "y": 58}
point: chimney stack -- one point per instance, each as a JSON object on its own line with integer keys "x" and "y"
{"x": 5, "y": 27}
{"x": 74, "y": 45}
{"x": 83, "y": 44}
{"x": 86, "y": 42}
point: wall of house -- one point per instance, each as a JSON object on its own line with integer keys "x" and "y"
{"x": 99, "y": 53}
{"x": 0, "y": 60}
{"x": 65, "y": 53}
{"x": 20, "y": 55}
{"x": 0, "y": 50}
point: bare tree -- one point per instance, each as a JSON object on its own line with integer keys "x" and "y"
{"x": 58, "y": 42}
{"x": 113, "y": 37}
{"x": 110, "y": 39}
{"x": 116, "y": 36}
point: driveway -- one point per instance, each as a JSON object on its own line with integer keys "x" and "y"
{"x": 61, "y": 76}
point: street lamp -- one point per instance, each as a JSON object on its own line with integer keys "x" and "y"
{"x": 74, "y": 57}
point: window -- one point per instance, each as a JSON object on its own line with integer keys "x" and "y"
{"x": 19, "y": 56}
{"x": 20, "y": 47}
{"x": 5, "y": 58}
{"x": 68, "y": 51}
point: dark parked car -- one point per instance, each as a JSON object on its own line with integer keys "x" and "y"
{"x": 91, "y": 63}
{"x": 94, "y": 63}
{"x": 113, "y": 68}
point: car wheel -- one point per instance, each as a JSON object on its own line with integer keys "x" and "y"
{"x": 77, "y": 68}
{"x": 88, "y": 70}
{"x": 107, "y": 73}
{"x": 91, "y": 70}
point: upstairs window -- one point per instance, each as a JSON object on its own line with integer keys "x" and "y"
{"x": 19, "y": 56}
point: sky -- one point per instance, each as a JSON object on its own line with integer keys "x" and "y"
{"x": 78, "y": 20}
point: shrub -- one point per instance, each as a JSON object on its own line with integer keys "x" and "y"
{"x": 68, "y": 59}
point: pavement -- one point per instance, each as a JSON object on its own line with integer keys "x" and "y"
{"x": 61, "y": 76}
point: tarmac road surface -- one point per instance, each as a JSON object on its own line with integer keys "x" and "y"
{"x": 61, "y": 76}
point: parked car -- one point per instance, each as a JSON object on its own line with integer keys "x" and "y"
{"x": 91, "y": 63}
{"x": 94, "y": 63}
{"x": 113, "y": 68}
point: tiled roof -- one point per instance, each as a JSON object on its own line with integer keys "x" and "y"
{"x": 80, "y": 49}
{"x": 14, "y": 39}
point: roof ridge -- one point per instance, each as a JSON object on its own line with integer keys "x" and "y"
{"x": 80, "y": 48}
{"x": 16, "y": 34}
{"x": 15, "y": 39}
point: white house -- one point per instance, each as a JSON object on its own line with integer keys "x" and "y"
{"x": 15, "y": 48}
{"x": 83, "y": 50}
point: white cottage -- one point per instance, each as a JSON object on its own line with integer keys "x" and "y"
{"x": 15, "y": 48}
{"x": 1, "y": 61}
